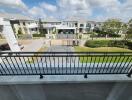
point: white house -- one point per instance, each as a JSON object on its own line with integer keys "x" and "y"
{"x": 82, "y": 25}
{"x": 18, "y": 22}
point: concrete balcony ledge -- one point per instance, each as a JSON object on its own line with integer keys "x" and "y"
{"x": 5, "y": 80}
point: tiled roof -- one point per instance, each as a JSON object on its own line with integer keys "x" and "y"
{"x": 75, "y": 19}
{"x": 50, "y": 20}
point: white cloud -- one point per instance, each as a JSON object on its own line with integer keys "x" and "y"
{"x": 37, "y": 12}
{"x": 74, "y": 8}
{"x": 103, "y": 3}
{"x": 48, "y": 7}
{"x": 80, "y": 8}
{"x": 13, "y": 3}
{"x": 84, "y": 8}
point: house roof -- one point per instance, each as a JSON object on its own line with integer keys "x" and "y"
{"x": 78, "y": 19}
{"x": 15, "y": 16}
{"x": 74, "y": 19}
{"x": 50, "y": 20}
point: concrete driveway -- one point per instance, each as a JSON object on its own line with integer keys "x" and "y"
{"x": 32, "y": 45}
{"x": 60, "y": 49}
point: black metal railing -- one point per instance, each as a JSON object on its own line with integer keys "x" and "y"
{"x": 65, "y": 63}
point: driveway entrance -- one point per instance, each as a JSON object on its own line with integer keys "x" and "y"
{"x": 62, "y": 42}
{"x": 60, "y": 49}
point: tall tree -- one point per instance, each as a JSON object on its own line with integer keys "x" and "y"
{"x": 129, "y": 30}
{"x": 112, "y": 26}
{"x": 130, "y": 23}
{"x": 40, "y": 26}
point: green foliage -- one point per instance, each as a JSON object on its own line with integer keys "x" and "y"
{"x": 109, "y": 43}
{"x": 38, "y": 35}
{"x": 129, "y": 31}
{"x": 93, "y": 34}
{"x": 40, "y": 25}
{"x": 130, "y": 21}
{"x": 117, "y": 43}
{"x": 95, "y": 43}
{"x": 112, "y": 26}
{"x": 20, "y": 31}
{"x": 114, "y": 35}
{"x": 129, "y": 44}
{"x": 128, "y": 36}
{"x": 24, "y": 36}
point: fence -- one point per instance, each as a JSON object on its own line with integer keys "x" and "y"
{"x": 65, "y": 63}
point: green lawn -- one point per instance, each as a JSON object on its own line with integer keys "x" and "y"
{"x": 106, "y": 59}
{"x": 101, "y": 49}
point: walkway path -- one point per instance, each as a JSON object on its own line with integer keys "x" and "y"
{"x": 34, "y": 46}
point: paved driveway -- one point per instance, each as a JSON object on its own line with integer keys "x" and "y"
{"x": 60, "y": 49}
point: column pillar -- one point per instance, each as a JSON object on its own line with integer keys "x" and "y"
{"x": 10, "y": 36}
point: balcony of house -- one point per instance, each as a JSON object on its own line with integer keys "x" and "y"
{"x": 65, "y": 63}
{"x": 65, "y": 32}
{"x": 70, "y": 75}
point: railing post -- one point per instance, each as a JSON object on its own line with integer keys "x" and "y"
{"x": 130, "y": 73}
{"x": 41, "y": 76}
{"x": 85, "y": 76}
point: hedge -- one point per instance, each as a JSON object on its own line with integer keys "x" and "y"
{"x": 109, "y": 43}
{"x": 24, "y": 36}
{"x": 38, "y": 35}
{"x": 94, "y": 43}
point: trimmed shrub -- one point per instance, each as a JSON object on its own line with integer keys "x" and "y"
{"x": 109, "y": 43}
{"x": 24, "y": 36}
{"x": 114, "y": 35}
{"x": 96, "y": 43}
{"x": 20, "y": 31}
{"x": 117, "y": 43}
{"x": 129, "y": 44}
{"x": 38, "y": 35}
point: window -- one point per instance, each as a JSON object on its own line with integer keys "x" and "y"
{"x": 81, "y": 25}
{"x": 24, "y": 23}
{"x": 76, "y": 24}
{"x": 88, "y": 25}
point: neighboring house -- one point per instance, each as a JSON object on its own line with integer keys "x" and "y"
{"x": 82, "y": 25}
{"x": 52, "y": 26}
{"x": 25, "y": 25}
{"x": 18, "y": 22}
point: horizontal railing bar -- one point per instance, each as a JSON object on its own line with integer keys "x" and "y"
{"x": 65, "y": 52}
{"x": 64, "y": 55}
{"x": 68, "y": 74}
{"x": 68, "y": 56}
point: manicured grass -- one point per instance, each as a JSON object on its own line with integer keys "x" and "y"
{"x": 101, "y": 49}
{"x": 106, "y": 59}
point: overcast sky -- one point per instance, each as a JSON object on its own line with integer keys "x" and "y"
{"x": 98, "y": 10}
